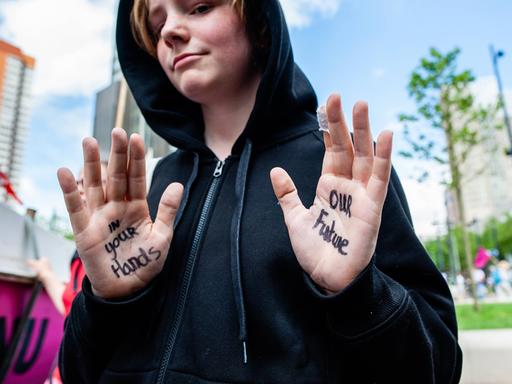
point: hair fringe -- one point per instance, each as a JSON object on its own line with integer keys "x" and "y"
{"x": 142, "y": 33}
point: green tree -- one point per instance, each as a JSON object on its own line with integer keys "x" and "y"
{"x": 497, "y": 234}
{"x": 447, "y": 126}
{"x": 57, "y": 224}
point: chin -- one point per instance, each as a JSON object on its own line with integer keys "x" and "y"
{"x": 196, "y": 91}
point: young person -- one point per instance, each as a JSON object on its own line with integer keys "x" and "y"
{"x": 231, "y": 272}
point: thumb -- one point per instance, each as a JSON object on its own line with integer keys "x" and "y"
{"x": 168, "y": 207}
{"x": 285, "y": 192}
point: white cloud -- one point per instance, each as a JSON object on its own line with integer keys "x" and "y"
{"x": 45, "y": 201}
{"x": 71, "y": 41}
{"x": 485, "y": 90}
{"x": 426, "y": 203}
{"x": 393, "y": 126}
{"x": 73, "y": 122}
{"x": 299, "y": 13}
{"x": 425, "y": 199}
{"x": 378, "y": 73}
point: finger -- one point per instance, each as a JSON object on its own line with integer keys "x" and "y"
{"x": 116, "y": 169}
{"x": 92, "y": 174}
{"x": 327, "y": 156}
{"x": 78, "y": 215}
{"x": 286, "y": 193}
{"x": 168, "y": 207}
{"x": 340, "y": 153}
{"x": 136, "y": 169}
{"x": 378, "y": 183}
{"x": 363, "y": 143}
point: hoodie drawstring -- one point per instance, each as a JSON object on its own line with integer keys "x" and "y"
{"x": 236, "y": 275}
{"x": 186, "y": 190}
{"x": 240, "y": 185}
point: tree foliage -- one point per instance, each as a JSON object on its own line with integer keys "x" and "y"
{"x": 495, "y": 235}
{"x": 452, "y": 127}
{"x": 446, "y": 113}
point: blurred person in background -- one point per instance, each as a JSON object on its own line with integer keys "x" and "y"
{"x": 460, "y": 287}
{"x": 481, "y": 282}
{"x": 502, "y": 280}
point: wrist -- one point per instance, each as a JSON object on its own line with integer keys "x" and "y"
{"x": 46, "y": 277}
{"x": 336, "y": 278}
{"x": 96, "y": 293}
{"x": 329, "y": 292}
{"x": 333, "y": 283}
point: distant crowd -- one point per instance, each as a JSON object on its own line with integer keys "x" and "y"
{"x": 492, "y": 276}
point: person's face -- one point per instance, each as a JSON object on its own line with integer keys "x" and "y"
{"x": 212, "y": 37}
{"x": 80, "y": 182}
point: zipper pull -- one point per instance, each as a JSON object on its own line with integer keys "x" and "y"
{"x": 218, "y": 169}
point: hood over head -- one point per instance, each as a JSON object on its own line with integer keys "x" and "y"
{"x": 283, "y": 98}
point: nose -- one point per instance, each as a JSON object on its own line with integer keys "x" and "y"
{"x": 175, "y": 30}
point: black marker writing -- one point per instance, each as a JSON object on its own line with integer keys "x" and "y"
{"x": 341, "y": 201}
{"x": 113, "y": 226}
{"x": 153, "y": 252}
{"x": 328, "y": 233}
{"x": 127, "y": 234}
{"x": 134, "y": 263}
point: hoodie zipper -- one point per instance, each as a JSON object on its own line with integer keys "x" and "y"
{"x": 217, "y": 173}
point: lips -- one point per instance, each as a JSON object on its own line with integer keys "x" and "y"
{"x": 183, "y": 56}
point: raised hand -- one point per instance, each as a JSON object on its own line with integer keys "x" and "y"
{"x": 335, "y": 238}
{"x": 121, "y": 248}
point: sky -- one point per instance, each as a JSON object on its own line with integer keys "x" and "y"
{"x": 362, "y": 49}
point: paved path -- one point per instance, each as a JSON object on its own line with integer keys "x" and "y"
{"x": 487, "y": 356}
{"x": 487, "y": 300}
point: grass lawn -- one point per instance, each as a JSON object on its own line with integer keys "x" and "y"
{"x": 490, "y": 316}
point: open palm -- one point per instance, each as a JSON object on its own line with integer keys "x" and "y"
{"x": 335, "y": 238}
{"x": 121, "y": 247}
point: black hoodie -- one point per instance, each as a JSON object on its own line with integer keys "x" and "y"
{"x": 232, "y": 304}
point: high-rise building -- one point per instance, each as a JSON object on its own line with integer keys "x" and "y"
{"x": 486, "y": 179}
{"x": 16, "y": 70}
{"x": 116, "y": 107}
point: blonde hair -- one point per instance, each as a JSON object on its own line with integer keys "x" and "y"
{"x": 142, "y": 32}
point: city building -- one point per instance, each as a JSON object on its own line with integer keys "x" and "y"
{"x": 487, "y": 179}
{"x": 16, "y": 71}
{"x": 116, "y": 107}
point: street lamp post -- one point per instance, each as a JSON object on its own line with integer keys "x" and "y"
{"x": 495, "y": 56}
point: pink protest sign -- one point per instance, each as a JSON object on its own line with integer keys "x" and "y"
{"x": 482, "y": 257}
{"x": 39, "y": 345}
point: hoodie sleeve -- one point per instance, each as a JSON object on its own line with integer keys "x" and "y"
{"x": 396, "y": 321}
{"x": 93, "y": 330}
